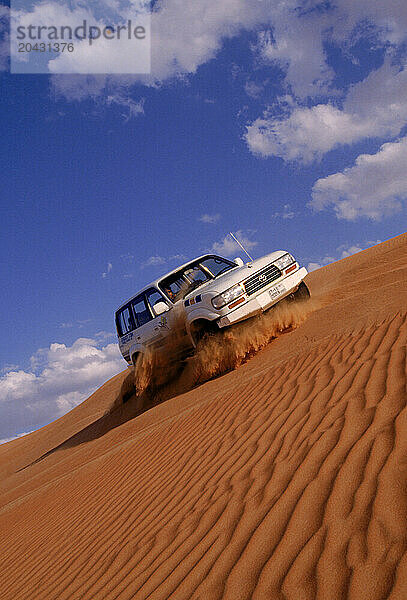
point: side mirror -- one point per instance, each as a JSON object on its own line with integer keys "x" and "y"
{"x": 238, "y": 261}
{"x": 160, "y": 308}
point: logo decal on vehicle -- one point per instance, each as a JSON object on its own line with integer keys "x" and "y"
{"x": 163, "y": 322}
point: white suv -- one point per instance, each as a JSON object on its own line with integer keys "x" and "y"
{"x": 206, "y": 294}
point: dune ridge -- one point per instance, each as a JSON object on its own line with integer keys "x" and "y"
{"x": 285, "y": 478}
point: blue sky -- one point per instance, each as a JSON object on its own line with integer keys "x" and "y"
{"x": 285, "y": 124}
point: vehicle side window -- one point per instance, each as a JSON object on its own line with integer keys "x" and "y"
{"x": 174, "y": 287}
{"x": 153, "y": 297}
{"x": 125, "y": 321}
{"x": 141, "y": 311}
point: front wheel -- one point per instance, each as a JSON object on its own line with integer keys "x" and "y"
{"x": 136, "y": 360}
{"x": 301, "y": 293}
{"x": 201, "y": 329}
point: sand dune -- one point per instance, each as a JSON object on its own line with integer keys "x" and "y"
{"x": 283, "y": 478}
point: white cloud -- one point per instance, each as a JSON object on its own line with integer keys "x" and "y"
{"x": 131, "y": 107}
{"x": 296, "y": 45}
{"x": 189, "y": 34}
{"x": 209, "y": 218}
{"x": 7, "y": 368}
{"x": 153, "y": 261}
{"x": 292, "y": 35}
{"x": 306, "y": 134}
{"x": 299, "y": 30}
{"x": 286, "y": 213}
{"x": 16, "y": 384}
{"x": 45, "y": 14}
{"x": 103, "y": 56}
{"x": 376, "y": 186}
{"x": 108, "y": 270}
{"x": 178, "y": 258}
{"x": 161, "y": 260}
{"x": 389, "y": 19}
{"x": 60, "y": 378}
{"x": 102, "y": 336}
{"x": 228, "y": 246}
{"x": 374, "y": 107}
{"x": 185, "y": 36}
{"x": 380, "y": 101}
{"x": 253, "y": 89}
{"x": 80, "y": 323}
{"x": 81, "y": 87}
{"x": 93, "y": 54}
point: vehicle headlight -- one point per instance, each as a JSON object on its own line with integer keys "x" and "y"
{"x": 231, "y": 294}
{"x": 283, "y": 262}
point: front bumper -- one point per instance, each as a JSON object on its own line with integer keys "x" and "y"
{"x": 264, "y": 300}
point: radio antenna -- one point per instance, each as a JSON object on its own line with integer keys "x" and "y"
{"x": 241, "y": 245}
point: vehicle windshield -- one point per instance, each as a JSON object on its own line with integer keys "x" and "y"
{"x": 192, "y": 276}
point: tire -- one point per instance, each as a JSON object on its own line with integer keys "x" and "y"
{"x": 201, "y": 329}
{"x": 302, "y": 293}
{"x": 135, "y": 358}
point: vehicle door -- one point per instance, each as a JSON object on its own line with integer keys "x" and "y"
{"x": 151, "y": 328}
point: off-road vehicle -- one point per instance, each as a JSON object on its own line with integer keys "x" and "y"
{"x": 206, "y": 295}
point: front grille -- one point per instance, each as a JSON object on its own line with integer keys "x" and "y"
{"x": 261, "y": 279}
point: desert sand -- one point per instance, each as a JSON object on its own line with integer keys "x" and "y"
{"x": 283, "y": 476}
